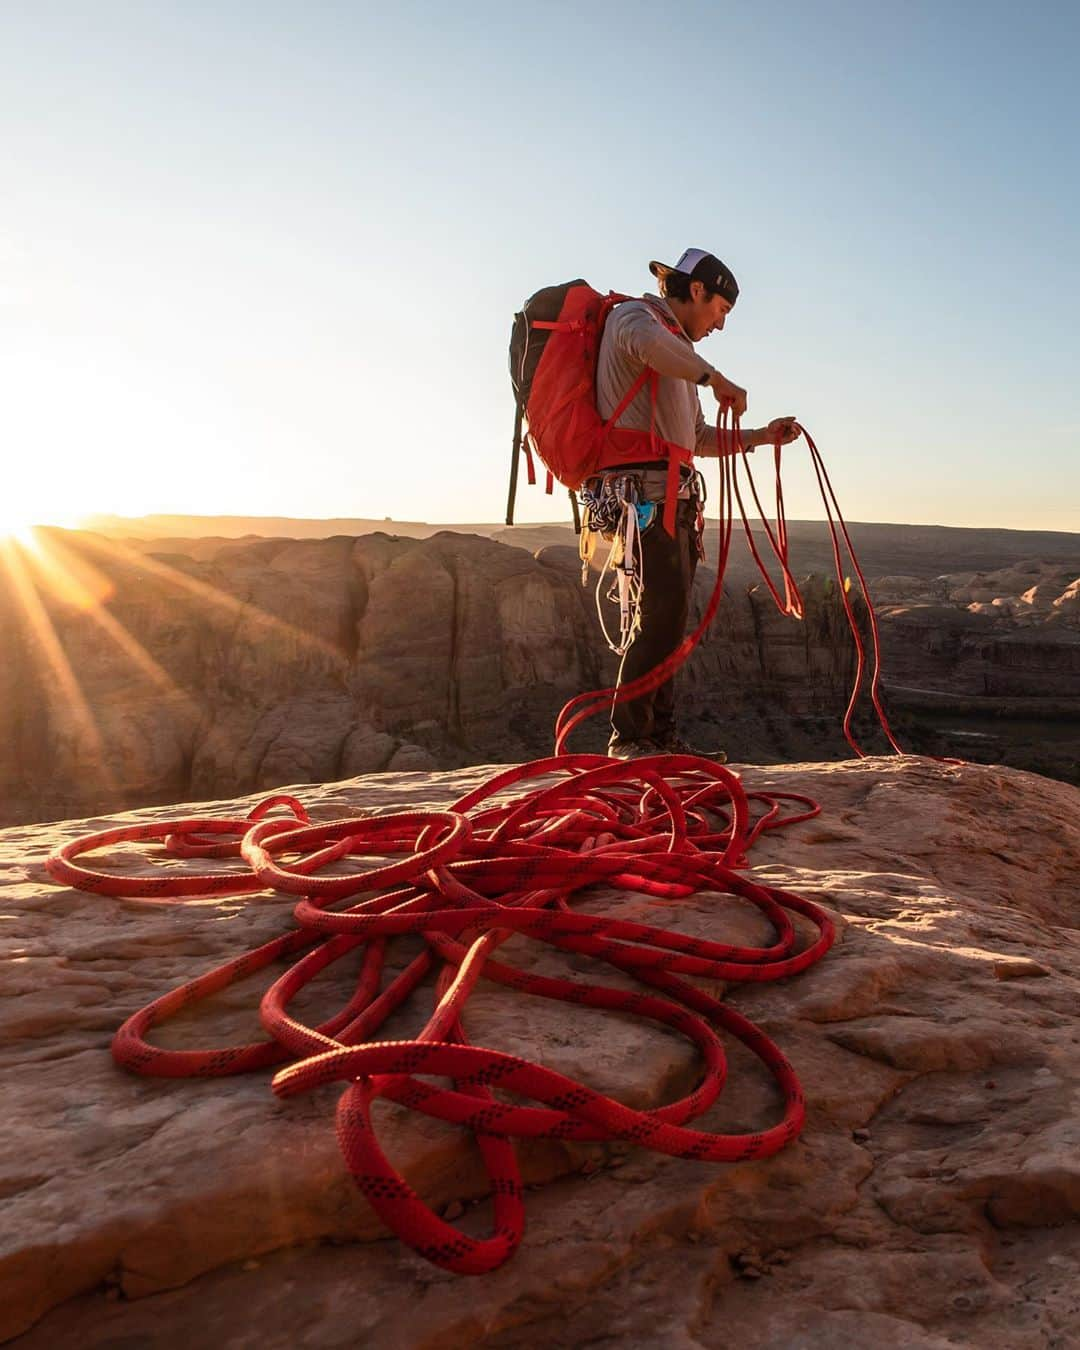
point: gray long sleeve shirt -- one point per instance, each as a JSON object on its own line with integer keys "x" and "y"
{"x": 634, "y": 336}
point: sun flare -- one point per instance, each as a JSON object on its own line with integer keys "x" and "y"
{"x": 17, "y": 514}
{"x": 19, "y": 520}
{"x": 17, "y": 529}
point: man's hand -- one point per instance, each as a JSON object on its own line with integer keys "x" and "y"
{"x": 782, "y": 431}
{"x": 728, "y": 393}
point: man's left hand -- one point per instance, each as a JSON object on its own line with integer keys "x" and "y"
{"x": 782, "y": 431}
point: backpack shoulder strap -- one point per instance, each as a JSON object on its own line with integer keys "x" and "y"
{"x": 662, "y": 315}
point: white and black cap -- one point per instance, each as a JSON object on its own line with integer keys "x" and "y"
{"x": 705, "y": 267}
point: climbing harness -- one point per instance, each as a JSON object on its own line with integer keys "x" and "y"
{"x": 508, "y": 859}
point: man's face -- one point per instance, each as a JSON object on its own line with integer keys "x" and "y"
{"x": 707, "y": 314}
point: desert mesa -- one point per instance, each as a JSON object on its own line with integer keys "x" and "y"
{"x": 151, "y": 661}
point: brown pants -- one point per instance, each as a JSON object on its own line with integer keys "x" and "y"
{"x": 668, "y": 566}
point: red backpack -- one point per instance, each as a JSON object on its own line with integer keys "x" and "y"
{"x": 554, "y": 346}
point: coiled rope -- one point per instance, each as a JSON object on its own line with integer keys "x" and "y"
{"x": 508, "y": 858}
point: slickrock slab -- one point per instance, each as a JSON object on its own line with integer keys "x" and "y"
{"x": 932, "y": 1200}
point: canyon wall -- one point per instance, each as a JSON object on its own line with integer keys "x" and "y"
{"x": 135, "y": 676}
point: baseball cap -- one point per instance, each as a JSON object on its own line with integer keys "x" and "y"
{"x": 705, "y": 267}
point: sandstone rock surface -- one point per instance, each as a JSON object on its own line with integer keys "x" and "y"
{"x": 932, "y": 1200}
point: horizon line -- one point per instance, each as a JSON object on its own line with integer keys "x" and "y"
{"x": 85, "y": 522}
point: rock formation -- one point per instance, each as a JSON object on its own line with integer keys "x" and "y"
{"x": 922, "y": 551}
{"x": 931, "y": 1202}
{"x": 987, "y": 665}
{"x": 159, "y": 677}
{"x": 136, "y": 675}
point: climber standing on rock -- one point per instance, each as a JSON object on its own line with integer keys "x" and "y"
{"x": 657, "y": 334}
{"x": 606, "y": 394}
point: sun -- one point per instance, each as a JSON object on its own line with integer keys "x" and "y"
{"x": 19, "y": 520}
{"x": 35, "y": 492}
{"x": 17, "y": 528}
{"x": 17, "y": 513}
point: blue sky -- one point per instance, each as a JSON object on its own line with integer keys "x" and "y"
{"x": 262, "y": 257}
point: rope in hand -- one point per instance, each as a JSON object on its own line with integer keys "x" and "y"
{"x": 508, "y": 858}
{"x": 730, "y": 450}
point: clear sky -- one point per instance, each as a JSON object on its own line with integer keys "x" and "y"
{"x": 262, "y": 258}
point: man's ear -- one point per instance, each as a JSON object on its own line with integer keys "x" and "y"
{"x": 697, "y": 290}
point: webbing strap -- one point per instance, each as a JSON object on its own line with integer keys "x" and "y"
{"x": 674, "y": 454}
{"x": 561, "y": 326}
{"x": 628, "y": 398}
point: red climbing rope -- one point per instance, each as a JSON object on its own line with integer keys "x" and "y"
{"x": 467, "y": 879}
{"x": 510, "y": 858}
{"x": 580, "y": 709}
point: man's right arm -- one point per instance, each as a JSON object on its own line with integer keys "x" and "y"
{"x": 638, "y": 333}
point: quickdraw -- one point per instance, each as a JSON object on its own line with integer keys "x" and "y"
{"x": 615, "y": 508}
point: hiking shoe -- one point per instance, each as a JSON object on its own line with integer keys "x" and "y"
{"x": 673, "y": 744}
{"x": 632, "y": 749}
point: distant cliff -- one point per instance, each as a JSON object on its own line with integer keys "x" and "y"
{"x": 917, "y": 550}
{"x": 151, "y": 676}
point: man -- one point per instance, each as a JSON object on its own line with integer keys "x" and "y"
{"x": 696, "y": 296}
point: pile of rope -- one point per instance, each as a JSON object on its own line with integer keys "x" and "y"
{"x": 467, "y": 879}
{"x": 507, "y": 859}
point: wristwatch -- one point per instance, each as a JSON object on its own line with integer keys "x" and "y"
{"x": 706, "y": 377}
